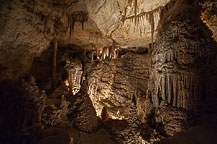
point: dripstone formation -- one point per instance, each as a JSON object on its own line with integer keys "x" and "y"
{"x": 116, "y": 84}
{"x": 179, "y": 60}
{"x": 108, "y": 72}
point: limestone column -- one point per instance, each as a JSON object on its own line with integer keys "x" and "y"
{"x": 179, "y": 56}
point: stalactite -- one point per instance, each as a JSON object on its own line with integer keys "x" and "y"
{"x": 182, "y": 94}
{"x": 135, "y": 11}
{"x": 158, "y": 91}
{"x": 169, "y": 77}
{"x": 150, "y": 18}
{"x": 101, "y": 58}
{"x": 178, "y": 94}
{"x": 107, "y": 52}
{"x": 112, "y": 51}
{"x": 175, "y": 91}
{"x": 163, "y": 87}
{"x": 98, "y": 53}
{"x": 103, "y": 53}
{"x": 152, "y": 28}
{"x": 116, "y": 53}
{"x": 138, "y": 19}
{"x": 142, "y": 19}
{"x": 166, "y": 87}
{"x": 184, "y": 100}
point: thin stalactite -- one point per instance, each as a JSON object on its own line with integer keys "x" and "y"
{"x": 135, "y": 11}
{"x": 150, "y": 18}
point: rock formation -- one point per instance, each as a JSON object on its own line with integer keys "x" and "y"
{"x": 179, "y": 60}
{"x": 74, "y": 69}
{"x": 108, "y": 71}
{"x": 21, "y": 121}
{"x": 114, "y": 84}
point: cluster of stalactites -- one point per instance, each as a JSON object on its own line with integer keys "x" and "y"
{"x": 142, "y": 19}
{"x": 78, "y": 16}
{"x": 105, "y": 53}
{"x": 180, "y": 91}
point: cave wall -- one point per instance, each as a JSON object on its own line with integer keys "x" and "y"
{"x": 129, "y": 94}
{"x": 22, "y": 105}
{"x": 19, "y": 41}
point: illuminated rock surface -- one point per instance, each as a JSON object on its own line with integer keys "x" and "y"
{"x": 108, "y": 71}
{"x": 114, "y": 84}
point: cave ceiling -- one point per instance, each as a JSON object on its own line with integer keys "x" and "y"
{"x": 108, "y": 71}
{"x": 95, "y": 23}
{"x": 27, "y": 27}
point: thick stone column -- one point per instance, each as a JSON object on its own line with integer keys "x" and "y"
{"x": 179, "y": 57}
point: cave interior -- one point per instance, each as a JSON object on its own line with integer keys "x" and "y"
{"x": 108, "y": 71}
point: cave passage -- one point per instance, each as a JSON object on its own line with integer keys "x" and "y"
{"x": 108, "y": 72}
